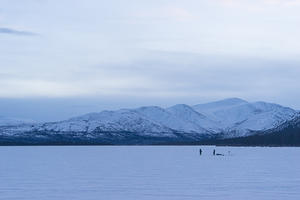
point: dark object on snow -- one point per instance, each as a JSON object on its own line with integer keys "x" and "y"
{"x": 214, "y": 152}
{"x": 200, "y": 152}
{"x": 219, "y": 154}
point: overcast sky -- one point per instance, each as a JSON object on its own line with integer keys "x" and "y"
{"x": 68, "y": 57}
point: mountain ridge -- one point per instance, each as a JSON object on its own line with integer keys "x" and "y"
{"x": 225, "y": 119}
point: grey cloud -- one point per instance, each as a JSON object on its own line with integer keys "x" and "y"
{"x": 16, "y": 32}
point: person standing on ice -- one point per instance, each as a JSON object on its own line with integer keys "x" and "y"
{"x": 200, "y": 152}
{"x": 214, "y": 152}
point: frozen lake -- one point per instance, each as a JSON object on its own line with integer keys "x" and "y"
{"x": 148, "y": 172}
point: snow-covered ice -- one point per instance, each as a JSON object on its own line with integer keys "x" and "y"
{"x": 149, "y": 172}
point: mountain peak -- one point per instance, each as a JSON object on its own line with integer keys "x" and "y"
{"x": 231, "y": 101}
{"x": 182, "y": 106}
{"x": 219, "y": 104}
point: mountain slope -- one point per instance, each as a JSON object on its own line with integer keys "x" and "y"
{"x": 169, "y": 119}
{"x": 287, "y": 134}
{"x": 190, "y": 115}
{"x": 108, "y": 121}
{"x": 241, "y": 118}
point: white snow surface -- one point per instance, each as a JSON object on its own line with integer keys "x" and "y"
{"x": 241, "y": 117}
{"x": 149, "y": 173}
{"x": 109, "y": 121}
{"x": 231, "y": 117}
{"x": 187, "y": 113}
{"x": 171, "y": 120}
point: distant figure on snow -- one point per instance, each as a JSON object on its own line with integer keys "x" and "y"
{"x": 200, "y": 152}
{"x": 214, "y": 152}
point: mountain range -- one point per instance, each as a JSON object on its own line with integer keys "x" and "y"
{"x": 227, "y": 122}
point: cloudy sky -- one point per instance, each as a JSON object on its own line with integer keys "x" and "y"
{"x": 60, "y": 58}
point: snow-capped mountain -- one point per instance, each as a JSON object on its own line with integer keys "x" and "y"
{"x": 286, "y": 134}
{"x": 291, "y": 125}
{"x": 240, "y": 118}
{"x": 108, "y": 121}
{"x": 221, "y": 119}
